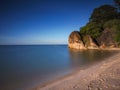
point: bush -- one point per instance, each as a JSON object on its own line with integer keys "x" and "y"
{"x": 103, "y": 13}
{"x": 112, "y": 24}
{"x": 91, "y": 29}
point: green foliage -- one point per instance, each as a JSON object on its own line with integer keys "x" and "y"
{"x": 105, "y": 16}
{"x": 112, "y": 24}
{"x": 103, "y": 13}
{"x": 99, "y": 16}
{"x": 91, "y": 29}
{"x": 115, "y": 26}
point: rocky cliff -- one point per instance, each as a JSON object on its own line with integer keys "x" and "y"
{"x": 78, "y": 41}
{"x": 100, "y": 32}
{"x": 106, "y": 39}
{"x": 81, "y": 41}
{"x": 75, "y": 41}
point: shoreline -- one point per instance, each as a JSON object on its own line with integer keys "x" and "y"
{"x": 107, "y": 48}
{"x": 84, "y": 79}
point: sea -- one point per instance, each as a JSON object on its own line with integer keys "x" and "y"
{"x": 26, "y": 66}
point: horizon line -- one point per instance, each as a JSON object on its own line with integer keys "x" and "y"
{"x": 30, "y": 44}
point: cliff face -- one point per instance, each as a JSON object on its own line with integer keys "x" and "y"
{"x": 78, "y": 41}
{"x": 89, "y": 42}
{"x": 105, "y": 40}
{"x": 75, "y": 41}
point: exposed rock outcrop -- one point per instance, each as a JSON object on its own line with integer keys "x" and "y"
{"x": 75, "y": 41}
{"x": 107, "y": 38}
{"x": 78, "y": 41}
{"x": 89, "y": 42}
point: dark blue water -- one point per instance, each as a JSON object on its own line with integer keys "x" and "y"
{"x": 28, "y": 65}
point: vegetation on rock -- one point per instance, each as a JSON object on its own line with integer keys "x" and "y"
{"x": 78, "y": 41}
{"x": 105, "y": 18}
{"x": 93, "y": 29}
{"x": 103, "y": 14}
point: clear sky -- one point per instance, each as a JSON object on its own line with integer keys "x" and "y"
{"x": 43, "y": 21}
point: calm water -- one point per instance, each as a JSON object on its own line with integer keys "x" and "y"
{"x": 26, "y": 66}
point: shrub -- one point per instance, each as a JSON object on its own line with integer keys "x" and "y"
{"x": 91, "y": 29}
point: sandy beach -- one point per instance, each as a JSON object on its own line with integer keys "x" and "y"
{"x": 101, "y": 76}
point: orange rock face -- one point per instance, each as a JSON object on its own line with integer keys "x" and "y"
{"x": 76, "y": 41}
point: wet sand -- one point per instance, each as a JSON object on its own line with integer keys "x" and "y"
{"x": 101, "y": 76}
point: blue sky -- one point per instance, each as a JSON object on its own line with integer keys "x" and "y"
{"x": 43, "y": 21}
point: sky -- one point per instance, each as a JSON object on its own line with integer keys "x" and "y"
{"x": 43, "y": 21}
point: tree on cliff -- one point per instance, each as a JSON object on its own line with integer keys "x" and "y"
{"x": 103, "y": 14}
{"x": 103, "y": 26}
{"x": 93, "y": 29}
{"x": 98, "y": 18}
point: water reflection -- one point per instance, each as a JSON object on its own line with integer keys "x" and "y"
{"x": 26, "y": 66}
{"x": 83, "y": 57}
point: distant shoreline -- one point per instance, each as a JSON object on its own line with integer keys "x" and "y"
{"x": 92, "y": 77}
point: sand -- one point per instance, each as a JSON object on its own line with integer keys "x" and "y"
{"x": 101, "y": 76}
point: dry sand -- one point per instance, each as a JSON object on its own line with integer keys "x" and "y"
{"x": 102, "y": 76}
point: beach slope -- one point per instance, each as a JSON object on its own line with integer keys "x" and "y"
{"x": 101, "y": 76}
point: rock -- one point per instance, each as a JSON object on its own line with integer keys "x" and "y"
{"x": 107, "y": 38}
{"x": 102, "y": 46}
{"x": 75, "y": 41}
{"x": 78, "y": 41}
{"x": 89, "y": 42}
